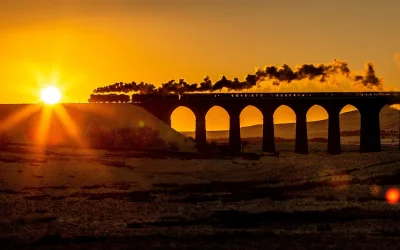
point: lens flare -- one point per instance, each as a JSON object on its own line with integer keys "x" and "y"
{"x": 392, "y": 195}
{"x": 375, "y": 190}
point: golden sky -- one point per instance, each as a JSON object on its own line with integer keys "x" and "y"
{"x": 79, "y": 45}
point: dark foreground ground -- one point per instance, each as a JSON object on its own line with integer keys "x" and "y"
{"x": 68, "y": 199}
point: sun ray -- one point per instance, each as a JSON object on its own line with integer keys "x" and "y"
{"x": 42, "y": 132}
{"x": 69, "y": 125}
{"x": 17, "y": 117}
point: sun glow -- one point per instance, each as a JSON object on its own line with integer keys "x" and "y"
{"x": 51, "y": 95}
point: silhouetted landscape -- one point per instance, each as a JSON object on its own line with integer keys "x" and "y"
{"x": 138, "y": 179}
{"x": 171, "y": 124}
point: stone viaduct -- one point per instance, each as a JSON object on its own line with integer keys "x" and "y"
{"x": 368, "y": 104}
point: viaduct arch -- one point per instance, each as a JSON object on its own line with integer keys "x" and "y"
{"x": 368, "y": 104}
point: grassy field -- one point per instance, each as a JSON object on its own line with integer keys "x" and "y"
{"x": 64, "y": 198}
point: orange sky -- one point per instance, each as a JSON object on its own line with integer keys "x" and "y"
{"x": 79, "y": 45}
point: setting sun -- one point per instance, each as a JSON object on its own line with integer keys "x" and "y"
{"x": 51, "y": 95}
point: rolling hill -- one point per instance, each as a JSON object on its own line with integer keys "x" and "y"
{"x": 23, "y": 123}
{"x": 389, "y": 119}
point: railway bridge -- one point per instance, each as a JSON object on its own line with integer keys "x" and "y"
{"x": 368, "y": 104}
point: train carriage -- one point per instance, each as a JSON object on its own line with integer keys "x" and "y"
{"x": 137, "y": 98}
{"x": 111, "y": 98}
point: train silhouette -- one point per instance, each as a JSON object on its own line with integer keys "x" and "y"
{"x": 137, "y": 98}
{"x": 110, "y": 98}
{"x": 123, "y": 98}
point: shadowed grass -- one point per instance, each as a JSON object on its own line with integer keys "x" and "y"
{"x": 234, "y": 219}
{"x": 242, "y": 191}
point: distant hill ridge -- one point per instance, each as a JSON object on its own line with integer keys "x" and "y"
{"x": 389, "y": 119}
{"x": 85, "y": 117}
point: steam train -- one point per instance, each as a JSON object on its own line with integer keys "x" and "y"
{"x": 137, "y": 98}
{"x": 110, "y": 98}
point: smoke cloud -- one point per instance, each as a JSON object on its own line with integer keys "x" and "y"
{"x": 369, "y": 80}
{"x": 284, "y": 74}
